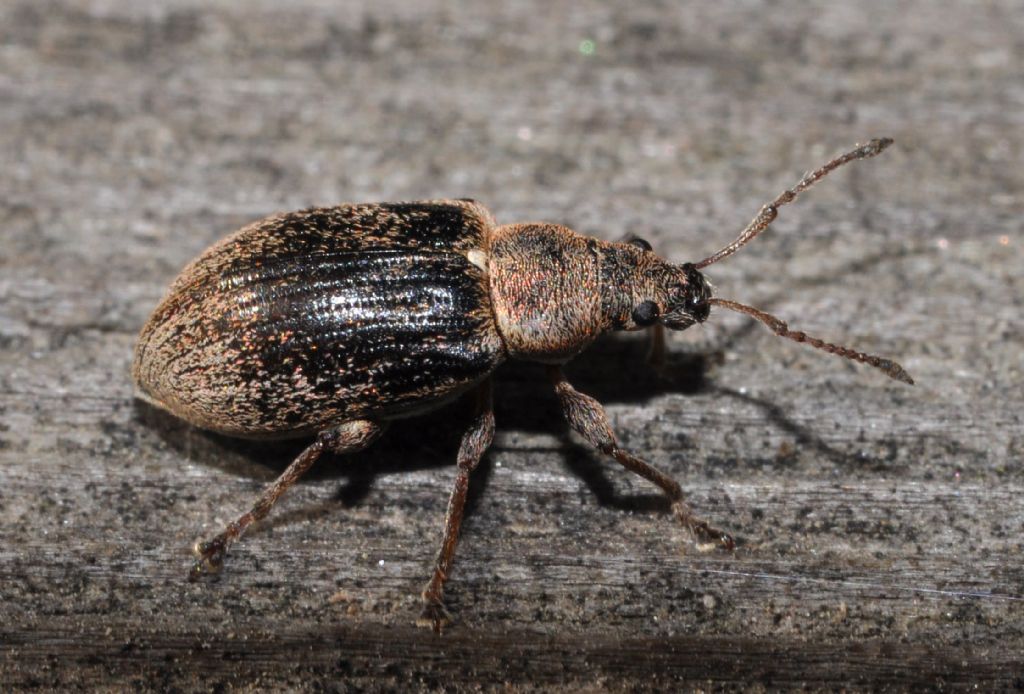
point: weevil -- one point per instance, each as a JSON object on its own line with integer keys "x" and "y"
{"x": 331, "y": 322}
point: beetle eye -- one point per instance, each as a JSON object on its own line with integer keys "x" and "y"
{"x": 640, "y": 243}
{"x": 646, "y": 313}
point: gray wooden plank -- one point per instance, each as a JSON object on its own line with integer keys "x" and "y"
{"x": 880, "y": 526}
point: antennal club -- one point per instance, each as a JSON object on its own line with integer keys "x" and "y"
{"x": 780, "y": 328}
{"x": 770, "y": 211}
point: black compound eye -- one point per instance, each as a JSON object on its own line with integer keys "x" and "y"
{"x": 646, "y": 313}
{"x": 640, "y": 243}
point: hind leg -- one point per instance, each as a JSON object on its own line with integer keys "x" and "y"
{"x": 346, "y": 438}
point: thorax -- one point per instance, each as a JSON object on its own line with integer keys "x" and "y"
{"x": 545, "y": 290}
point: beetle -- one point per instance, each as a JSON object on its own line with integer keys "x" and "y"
{"x": 330, "y": 322}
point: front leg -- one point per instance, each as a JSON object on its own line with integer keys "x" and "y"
{"x": 587, "y": 417}
{"x": 474, "y": 442}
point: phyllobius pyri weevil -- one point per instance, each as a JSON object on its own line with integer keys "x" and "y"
{"x": 333, "y": 321}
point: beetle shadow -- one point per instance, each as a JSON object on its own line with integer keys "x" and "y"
{"x": 406, "y": 445}
{"x": 613, "y": 370}
{"x": 425, "y": 442}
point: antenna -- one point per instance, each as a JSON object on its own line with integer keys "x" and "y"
{"x": 779, "y": 327}
{"x": 770, "y": 211}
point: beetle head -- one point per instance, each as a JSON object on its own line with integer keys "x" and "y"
{"x": 640, "y": 289}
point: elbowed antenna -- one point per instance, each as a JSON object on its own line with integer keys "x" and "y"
{"x": 779, "y": 327}
{"x": 770, "y": 211}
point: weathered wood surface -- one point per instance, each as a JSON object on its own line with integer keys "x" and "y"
{"x": 880, "y": 525}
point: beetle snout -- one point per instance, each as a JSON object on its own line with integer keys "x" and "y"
{"x": 700, "y": 309}
{"x": 698, "y": 295}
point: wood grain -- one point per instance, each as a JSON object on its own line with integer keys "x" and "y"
{"x": 879, "y": 525}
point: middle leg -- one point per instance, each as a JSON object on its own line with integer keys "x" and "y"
{"x": 474, "y": 442}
